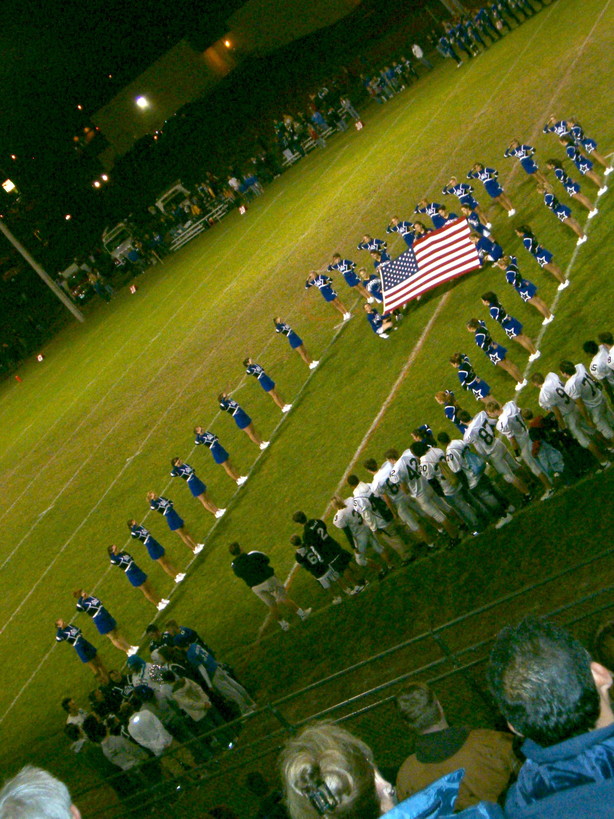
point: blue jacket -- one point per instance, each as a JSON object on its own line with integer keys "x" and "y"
{"x": 437, "y": 802}
{"x": 566, "y": 781}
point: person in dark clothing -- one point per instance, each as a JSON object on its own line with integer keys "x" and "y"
{"x": 315, "y": 535}
{"x": 553, "y": 695}
{"x": 255, "y": 570}
{"x": 271, "y": 801}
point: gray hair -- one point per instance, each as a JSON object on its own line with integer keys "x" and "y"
{"x": 35, "y": 794}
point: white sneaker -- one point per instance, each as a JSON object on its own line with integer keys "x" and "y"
{"x": 592, "y": 213}
{"x": 199, "y": 548}
{"x": 286, "y": 408}
{"x": 241, "y": 480}
{"x": 608, "y": 171}
{"x": 502, "y": 521}
{"x": 304, "y": 613}
{"x": 347, "y": 316}
{"x": 511, "y": 212}
{"x": 564, "y": 284}
{"x": 336, "y": 600}
{"x": 370, "y": 300}
{"x": 284, "y": 624}
{"x": 547, "y": 494}
{"x": 264, "y": 444}
{"x": 534, "y": 356}
{"x": 313, "y": 365}
{"x": 132, "y": 651}
{"x": 602, "y": 190}
{"x": 548, "y": 320}
{"x": 220, "y": 513}
{"x": 179, "y": 577}
{"x": 581, "y": 240}
{"x": 521, "y": 385}
{"x": 162, "y": 604}
{"x": 488, "y": 225}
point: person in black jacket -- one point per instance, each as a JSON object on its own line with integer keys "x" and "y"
{"x": 255, "y": 570}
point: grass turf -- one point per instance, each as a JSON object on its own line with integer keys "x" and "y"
{"x": 95, "y": 427}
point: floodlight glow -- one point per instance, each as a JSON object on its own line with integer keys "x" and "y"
{"x": 68, "y": 217}
{"x": 104, "y": 177}
{"x": 9, "y": 186}
{"x": 13, "y": 156}
{"x": 142, "y": 102}
{"x": 96, "y": 183}
{"x": 227, "y": 43}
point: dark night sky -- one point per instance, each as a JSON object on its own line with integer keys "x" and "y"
{"x": 55, "y": 54}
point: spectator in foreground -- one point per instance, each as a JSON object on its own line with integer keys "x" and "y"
{"x": 486, "y": 756}
{"x": 35, "y": 793}
{"x": 271, "y": 801}
{"x": 326, "y": 771}
{"x": 603, "y": 645}
{"x": 552, "y": 694}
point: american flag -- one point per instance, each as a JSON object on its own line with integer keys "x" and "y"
{"x": 442, "y": 255}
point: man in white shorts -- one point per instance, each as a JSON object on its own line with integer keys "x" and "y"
{"x": 509, "y": 422}
{"x": 406, "y": 472}
{"x": 599, "y": 367}
{"x": 381, "y": 521}
{"x": 552, "y": 397}
{"x": 587, "y": 393}
{"x": 255, "y": 570}
{"x": 480, "y": 434}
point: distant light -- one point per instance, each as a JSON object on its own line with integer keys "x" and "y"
{"x": 9, "y": 186}
{"x": 79, "y": 108}
{"x": 110, "y": 76}
{"x": 104, "y": 177}
{"x": 68, "y": 217}
{"x": 227, "y": 43}
{"x": 40, "y": 357}
{"x": 242, "y": 209}
{"x": 96, "y": 183}
{"x": 13, "y": 156}
{"x": 142, "y": 102}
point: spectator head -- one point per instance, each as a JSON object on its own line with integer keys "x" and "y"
{"x": 35, "y": 794}
{"x": 590, "y": 347}
{"x": 299, "y": 517}
{"x": 545, "y": 684}
{"x": 567, "y": 368}
{"x": 72, "y": 731}
{"x": 326, "y": 771}
{"x": 603, "y": 645}
{"x": 419, "y": 708}
{"x": 234, "y": 549}
{"x": 353, "y": 480}
{"x": 94, "y": 729}
{"x": 606, "y": 338}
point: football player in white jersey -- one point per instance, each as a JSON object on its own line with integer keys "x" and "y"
{"x": 553, "y": 398}
{"x": 509, "y": 422}
{"x": 375, "y": 519}
{"x": 599, "y": 367}
{"x": 406, "y": 472}
{"x": 481, "y": 435}
{"x": 360, "y": 536}
{"x": 588, "y": 395}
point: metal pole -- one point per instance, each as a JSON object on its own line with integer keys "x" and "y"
{"x": 39, "y": 270}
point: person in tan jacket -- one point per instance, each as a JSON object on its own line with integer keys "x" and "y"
{"x": 487, "y": 756}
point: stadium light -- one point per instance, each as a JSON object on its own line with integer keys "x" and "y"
{"x": 96, "y": 183}
{"x": 104, "y": 177}
{"x": 9, "y": 186}
{"x": 68, "y": 217}
{"x": 142, "y": 103}
{"x": 227, "y": 43}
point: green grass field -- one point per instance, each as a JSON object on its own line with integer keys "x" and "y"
{"x": 91, "y": 430}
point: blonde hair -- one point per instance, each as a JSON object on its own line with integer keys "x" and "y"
{"x": 327, "y": 771}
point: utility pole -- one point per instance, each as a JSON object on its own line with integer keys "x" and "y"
{"x": 40, "y": 272}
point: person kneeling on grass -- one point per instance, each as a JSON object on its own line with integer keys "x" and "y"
{"x": 380, "y": 325}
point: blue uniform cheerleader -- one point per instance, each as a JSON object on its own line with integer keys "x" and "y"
{"x": 495, "y": 353}
{"x": 511, "y": 325}
{"x": 369, "y": 243}
{"x": 488, "y": 251}
{"x": 197, "y": 488}
{"x": 488, "y": 178}
{"x": 267, "y": 383}
{"x": 524, "y": 154}
{"x": 525, "y": 288}
{"x": 220, "y": 456}
{"x": 325, "y": 286}
{"x": 136, "y": 576}
{"x": 86, "y": 652}
{"x": 468, "y": 379}
{"x": 587, "y": 145}
{"x": 475, "y": 223}
{"x": 430, "y": 209}
{"x": 583, "y": 164}
{"x": 295, "y": 342}
{"x": 464, "y": 193}
{"x": 241, "y": 419}
{"x": 542, "y": 256}
{"x": 378, "y": 323}
{"x": 402, "y": 228}
{"x": 451, "y": 409}
{"x": 562, "y": 213}
{"x": 165, "y": 507}
{"x": 155, "y": 550}
{"x": 347, "y": 268}
{"x": 105, "y": 624}
{"x": 571, "y": 188}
